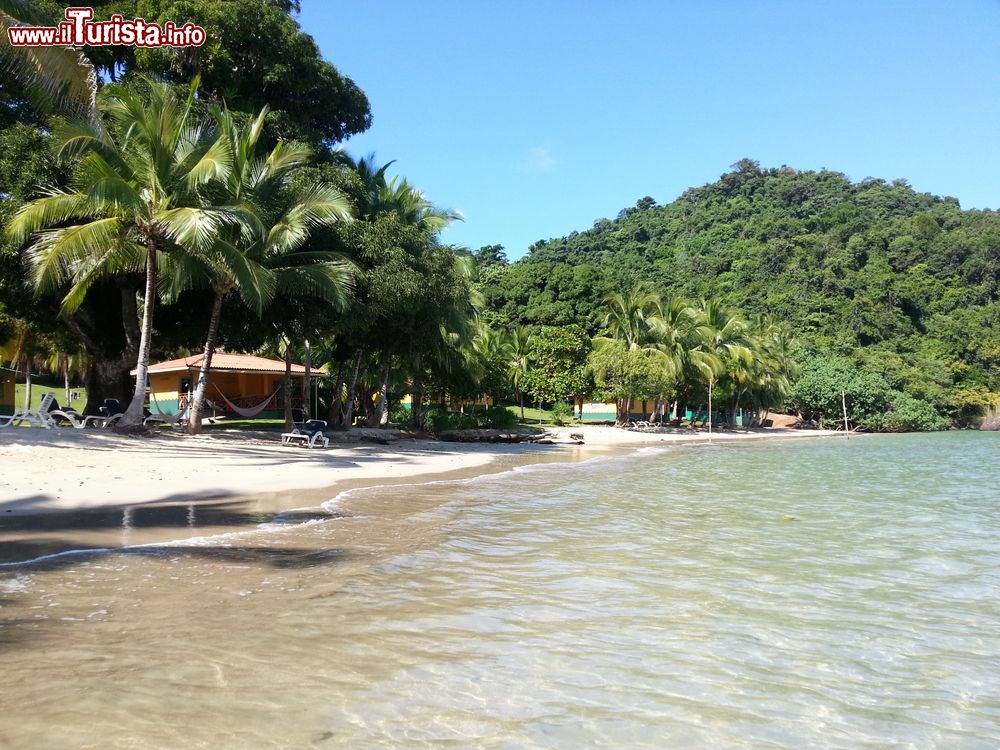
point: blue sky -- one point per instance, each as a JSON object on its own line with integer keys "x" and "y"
{"x": 535, "y": 119}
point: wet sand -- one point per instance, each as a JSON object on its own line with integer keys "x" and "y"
{"x": 64, "y": 490}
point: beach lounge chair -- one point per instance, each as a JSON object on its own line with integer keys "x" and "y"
{"x": 64, "y": 415}
{"x": 39, "y": 416}
{"x": 111, "y": 412}
{"x": 309, "y": 434}
{"x": 73, "y": 417}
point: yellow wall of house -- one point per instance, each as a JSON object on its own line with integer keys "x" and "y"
{"x": 165, "y": 387}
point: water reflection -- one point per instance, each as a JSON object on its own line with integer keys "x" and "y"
{"x": 662, "y": 601}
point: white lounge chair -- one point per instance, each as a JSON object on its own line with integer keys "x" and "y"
{"x": 39, "y": 416}
{"x": 309, "y": 434}
{"x": 75, "y": 419}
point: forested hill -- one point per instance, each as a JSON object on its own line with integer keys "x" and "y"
{"x": 901, "y": 283}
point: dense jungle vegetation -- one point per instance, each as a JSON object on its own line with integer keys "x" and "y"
{"x": 890, "y": 293}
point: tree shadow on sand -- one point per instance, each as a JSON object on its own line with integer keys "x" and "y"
{"x": 24, "y": 538}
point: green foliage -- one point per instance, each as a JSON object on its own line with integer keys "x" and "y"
{"x": 562, "y": 412}
{"x": 255, "y": 55}
{"x": 440, "y": 420}
{"x": 499, "y": 417}
{"x": 399, "y": 414}
{"x": 871, "y": 402}
{"x": 907, "y": 414}
{"x": 558, "y": 364}
{"x": 624, "y": 373}
{"x": 899, "y": 283}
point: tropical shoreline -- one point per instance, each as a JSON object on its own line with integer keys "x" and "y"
{"x": 46, "y": 472}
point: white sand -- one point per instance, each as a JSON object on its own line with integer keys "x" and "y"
{"x": 63, "y": 469}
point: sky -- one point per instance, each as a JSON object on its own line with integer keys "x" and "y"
{"x": 535, "y": 119}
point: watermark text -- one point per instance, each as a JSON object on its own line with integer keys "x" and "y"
{"x": 79, "y": 29}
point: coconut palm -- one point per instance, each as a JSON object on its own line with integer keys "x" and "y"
{"x": 520, "y": 349}
{"x": 766, "y": 381}
{"x": 631, "y": 317}
{"x": 724, "y": 344}
{"x": 258, "y": 259}
{"x": 67, "y": 364}
{"x": 136, "y": 193}
{"x": 639, "y": 320}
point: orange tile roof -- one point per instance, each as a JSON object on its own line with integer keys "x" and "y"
{"x": 224, "y": 361}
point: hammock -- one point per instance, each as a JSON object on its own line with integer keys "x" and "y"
{"x": 251, "y": 412}
{"x": 156, "y": 405}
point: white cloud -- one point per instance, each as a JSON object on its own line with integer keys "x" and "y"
{"x": 539, "y": 160}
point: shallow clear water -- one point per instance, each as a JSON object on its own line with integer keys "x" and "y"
{"x": 829, "y": 593}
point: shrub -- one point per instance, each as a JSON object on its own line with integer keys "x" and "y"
{"x": 499, "y": 417}
{"x": 399, "y": 414}
{"x": 907, "y": 414}
{"x": 561, "y": 412}
{"x": 439, "y": 420}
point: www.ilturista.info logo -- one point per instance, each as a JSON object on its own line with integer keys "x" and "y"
{"x": 78, "y": 30}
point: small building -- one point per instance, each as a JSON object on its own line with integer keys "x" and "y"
{"x": 595, "y": 411}
{"x": 241, "y": 385}
{"x": 7, "y": 391}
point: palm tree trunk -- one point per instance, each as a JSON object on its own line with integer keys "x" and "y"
{"x": 133, "y": 415}
{"x": 333, "y": 413}
{"x": 307, "y": 382}
{"x": 520, "y": 399}
{"x": 381, "y": 415}
{"x": 66, "y": 378}
{"x": 198, "y": 399}
{"x": 347, "y": 415}
{"x": 27, "y": 384}
{"x": 289, "y": 422}
{"x": 417, "y": 402}
{"x": 711, "y": 382}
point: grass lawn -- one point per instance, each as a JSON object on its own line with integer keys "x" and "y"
{"x": 533, "y": 416}
{"x": 38, "y": 391}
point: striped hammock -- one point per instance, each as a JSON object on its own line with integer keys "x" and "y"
{"x": 253, "y": 411}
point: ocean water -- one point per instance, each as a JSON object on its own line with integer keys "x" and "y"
{"x": 825, "y": 593}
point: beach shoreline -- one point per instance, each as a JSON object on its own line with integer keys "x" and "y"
{"x": 66, "y": 470}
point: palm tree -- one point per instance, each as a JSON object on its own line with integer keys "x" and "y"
{"x": 520, "y": 348}
{"x": 724, "y": 344}
{"x": 68, "y": 363}
{"x": 258, "y": 261}
{"x": 135, "y": 194}
{"x": 55, "y": 79}
{"x": 765, "y": 383}
{"x": 637, "y": 318}
{"x": 434, "y": 345}
{"x": 631, "y": 317}
{"x": 494, "y": 352}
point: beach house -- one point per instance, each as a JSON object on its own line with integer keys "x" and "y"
{"x": 242, "y": 385}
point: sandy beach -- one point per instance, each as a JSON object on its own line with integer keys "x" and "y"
{"x": 63, "y": 470}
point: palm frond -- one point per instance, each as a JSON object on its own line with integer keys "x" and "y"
{"x": 195, "y": 228}
{"x": 56, "y": 208}
{"x": 332, "y": 281}
{"x": 54, "y": 252}
{"x": 122, "y": 257}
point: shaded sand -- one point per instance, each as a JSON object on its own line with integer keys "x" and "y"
{"x": 58, "y": 470}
